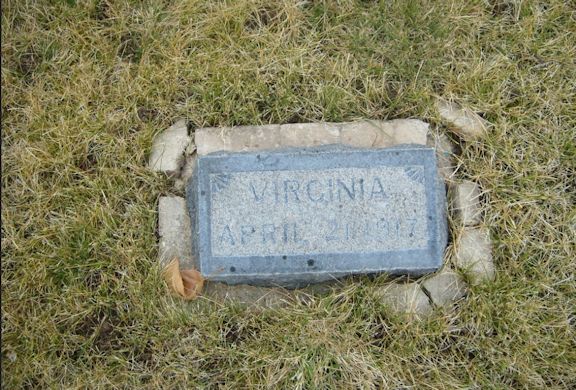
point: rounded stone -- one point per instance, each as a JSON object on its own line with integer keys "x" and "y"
{"x": 465, "y": 203}
{"x": 405, "y": 298}
{"x": 473, "y": 254}
{"x": 445, "y": 287}
{"x": 464, "y": 122}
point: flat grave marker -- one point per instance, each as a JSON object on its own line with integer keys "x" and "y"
{"x": 297, "y": 216}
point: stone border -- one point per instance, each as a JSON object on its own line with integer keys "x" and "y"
{"x": 174, "y": 153}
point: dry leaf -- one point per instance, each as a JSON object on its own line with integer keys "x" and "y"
{"x": 186, "y": 284}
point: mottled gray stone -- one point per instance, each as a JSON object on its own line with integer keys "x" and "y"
{"x": 462, "y": 121}
{"x": 168, "y": 148}
{"x": 405, "y": 298}
{"x": 174, "y": 231}
{"x": 445, "y": 287}
{"x": 473, "y": 254}
{"x": 465, "y": 203}
{"x": 299, "y": 216}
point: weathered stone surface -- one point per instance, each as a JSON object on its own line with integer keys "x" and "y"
{"x": 445, "y": 287}
{"x": 402, "y": 131}
{"x": 299, "y": 216}
{"x": 212, "y": 139}
{"x": 463, "y": 121}
{"x": 168, "y": 148}
{"x": 174, "y": 231}
{"x": 309, "y": 134}
{"x": 445, "y": 151}
{"x": 253, "y": 296}
{"x": 381, "y": 134}
{"x": 465, "y": 203}
{"x": 360, "y": 134}
{"x": 406, "y": 298}
{"x": 473, "y": 254}
{"x": 364, "y": 134}
{"x": 237, "y": 138}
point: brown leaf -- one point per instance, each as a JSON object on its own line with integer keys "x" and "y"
{"x": 186, "y": 284}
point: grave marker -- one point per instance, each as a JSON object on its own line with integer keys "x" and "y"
{"x": 298, "y": 216}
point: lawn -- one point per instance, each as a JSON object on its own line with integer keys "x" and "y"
{"x": 86, "y": 85}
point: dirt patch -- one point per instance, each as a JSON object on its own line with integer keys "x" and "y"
{"x": 89, "y": 160}
{"x": 93, "y": 280}
{"x": 103, "y": 327}
{"x": 28, "y": 62}
{"x": 101, "y": 11}
{"x": 500, "y": 8}
{"x": 130, "y": 48}
{"x": 234, "y": 333}
{"x": 261, "y": 17}
{"x": 147, "y": 114}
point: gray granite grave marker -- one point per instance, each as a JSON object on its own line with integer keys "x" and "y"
{"x": 298, "y": 216}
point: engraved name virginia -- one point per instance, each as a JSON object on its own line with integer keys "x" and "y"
{"x": 317, "y": 191}
{"x": 305, "y": 212}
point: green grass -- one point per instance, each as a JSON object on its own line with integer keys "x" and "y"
{"x": 87, "y": 85}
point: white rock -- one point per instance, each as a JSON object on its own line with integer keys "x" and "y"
{"x": 445, "y": 150}
{"x": 465, "y": 203}
{"x": 463, "y": 122}
{"x": 237, "y": 139}
{"x": 473, "y": 254}
{"x": 406, "y": 298}
{"x": 445, "y": 287}
{"x": 168, "y": 149}
{"x": 174, "y": 231}
{"x": 309, "y": 134}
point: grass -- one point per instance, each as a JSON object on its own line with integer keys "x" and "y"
{"x": 87, "y": 84}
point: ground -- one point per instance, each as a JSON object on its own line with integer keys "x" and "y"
{"x": 86, "y": 85}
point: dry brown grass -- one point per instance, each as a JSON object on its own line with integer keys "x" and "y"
{"x": 87, "y": 85}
